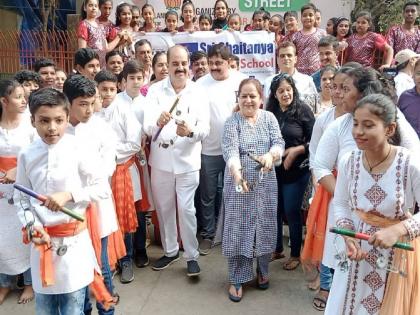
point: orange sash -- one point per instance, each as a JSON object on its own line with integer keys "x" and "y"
{"x": 98, "y": 287}
{"x": 316, "y": 225}
{"x": 7, "y": 163}
{"x": 122, "y": 189}
{"x": 402, "y": 294}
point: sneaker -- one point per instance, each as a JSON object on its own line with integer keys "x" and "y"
{"x": 127, "y": 274}
{"x": 193, "y": 269}
{"x": 164, "y": 262}
{"x": 141, "y": 260}
{"x": 205, "y": 246}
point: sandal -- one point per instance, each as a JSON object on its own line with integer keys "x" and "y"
{"x": 116, "y": 298}
{"x": 320, "y": 300}
{"x": 237, "y": 297}
{"x": 292, "y": 263}
{"x": 277, "y": 255}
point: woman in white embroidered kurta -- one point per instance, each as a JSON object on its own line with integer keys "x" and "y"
{"x": 387, "y": 189}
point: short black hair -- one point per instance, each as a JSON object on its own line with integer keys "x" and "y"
{"x": 78, "y": 86}
{"x": 411, "y": 2}
{"x": 132, "y": 67}
{"x": 26, "y": 76}
{"x": 290, "y": 13}
{"x": 308, "y": 6}
{"x": 47, "y": 97}
{"x": 328, "y": 40}
{"x": 219, "y": 50}
{"x": 112, "y": 53}
{"x": 105, "y": 75}
{"x": 236, "y": 58}
{"x": 43, "y": 62}
{"x": 197, "y": 55}
{"x": 84, "y": 55}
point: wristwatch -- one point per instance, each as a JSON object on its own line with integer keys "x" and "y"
{"x": 191, "y": 134}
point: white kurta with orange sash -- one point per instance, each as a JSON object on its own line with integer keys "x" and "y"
{"x": 14, "y": 255}
{"x": 366, "y": 203}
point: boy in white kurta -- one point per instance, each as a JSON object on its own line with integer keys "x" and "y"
{"x": 95, "y": 135}
{"x": 53, "y": 166}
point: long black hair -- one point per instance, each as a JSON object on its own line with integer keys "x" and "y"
{"x": 273, "y": 105}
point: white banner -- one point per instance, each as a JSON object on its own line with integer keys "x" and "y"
{"x": 256, "y": 50}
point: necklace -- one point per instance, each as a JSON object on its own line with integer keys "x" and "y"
{"x": 379, "y": 163}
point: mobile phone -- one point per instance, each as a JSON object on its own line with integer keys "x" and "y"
{"x": 390, "y": 73}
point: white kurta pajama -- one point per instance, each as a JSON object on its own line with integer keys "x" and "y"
{"x": 49, "y": 169}
{"x": 175, "y": 169}
{"x": 392, "y": 195}
{"x": 337, "y": 141}
{"x": 14, "y": 255}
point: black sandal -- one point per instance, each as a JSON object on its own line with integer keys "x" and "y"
{"x": 234, "y": 298}
{"x": 320, "y": 302}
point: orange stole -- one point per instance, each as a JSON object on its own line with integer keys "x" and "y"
{"x": 122, "y": 189}
{"x": 7, "y": 163}
{"x": 402, "y": 294}
{"x": 316, "y": 225}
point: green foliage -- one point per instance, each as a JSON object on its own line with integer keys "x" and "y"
{"x": 385, "y": 13}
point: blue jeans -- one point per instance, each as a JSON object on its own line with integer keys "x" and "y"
{"x": 325, "y": 277}
{"x": 107, "y": 275}
{"x": 212, "y": 167}
{"x": 63, "y": 304}
{"x": 6, "y": 281}
{"x": 136, "y": 242}
{"x": 290, "y": 198}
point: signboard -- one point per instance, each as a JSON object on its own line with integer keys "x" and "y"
{"x": 256, "y": 50}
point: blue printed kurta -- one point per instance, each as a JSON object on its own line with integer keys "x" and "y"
{"x": 250, "y": 219}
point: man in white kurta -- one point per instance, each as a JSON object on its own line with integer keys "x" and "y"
{"x": 221, "y": 85}
{"x": 175, "y": 156}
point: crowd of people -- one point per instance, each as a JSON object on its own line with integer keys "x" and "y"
{"x": 189, "y": 142}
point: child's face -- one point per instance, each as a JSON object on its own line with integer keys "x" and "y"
{"x": 188, "y": 13}
{"x": 81, "y": 109}
{"x": 362, "y": 25}
{"x": 133, "y": 83}
{"x": 258, "y": 22}
{"x": 115, "y": 64}
{"x": 308, "y": 18}
{"x": 15, "y": 102}
{"x": 50, "y": 123}
{"x": 47, "y": 76}
{"x": 205, "y": 25}
{"x": 59, "y": 81}
{"x": 326, "y": 81}
{"x": 291, "y": 24}
{"x": 235, "y": 23}
{"x": 275, "y": 25}
{"x": 220, "y": 10}
{"x": 148, "y": 15}
{"x": 106, "y": 9}
{"x": 330, "y": 27}
{"x": 233, "y": 65}
{"x": 107, "y": 91}
{"x": 343, "y": 29}
{"x": 410, "y": 13}
{"x": 327, "y": 56}
{"x": 135, "y": 18}
{"x": 29, "y": 87}
{"x": 317, "y": 19}
{"x": 171, "y": 22}
{"x": 90, "y": 69}
{"x": 126, "y": 16}
{"x": 91, "y": 8}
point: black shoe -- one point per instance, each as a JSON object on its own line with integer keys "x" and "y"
{"x": 193, "y": 269}
{"x": 164, "y": 262}
{"x": 141, "y": 261}
{"x": 205, "y": 246}
{"x": 127, "y": 274}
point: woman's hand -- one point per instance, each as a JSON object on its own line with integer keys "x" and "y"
{"x": 267, "y": 161}
{"x": 290, "y": 155}
{"x": 387, "y": 237}
{"x": 354, "y": 251}
{"x": 239, "y": 181}
{"x": 9, "y": 177}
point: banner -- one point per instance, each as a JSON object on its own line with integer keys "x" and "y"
{"x": 256, "y": 50}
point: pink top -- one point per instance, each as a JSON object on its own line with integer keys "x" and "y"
{"x": 362, "y": 49}
{"x": 95, "y": 37}
{"x": 399, "y": 39}
{"x": 307, "y": 50}
{"x": 181, "y": 28}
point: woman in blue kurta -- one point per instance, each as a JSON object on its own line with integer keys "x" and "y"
{"x": 251, "y": 138}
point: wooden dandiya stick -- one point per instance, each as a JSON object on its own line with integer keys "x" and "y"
{"x": 365, "y": 237}
{"x": 42, "y": 198}
{"x": 170, "y": 112}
